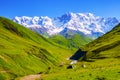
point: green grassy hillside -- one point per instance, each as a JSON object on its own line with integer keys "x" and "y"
{"x": 107, "y": 46}
{"x": 74, "y": 41}
{"x": 24, "y": 52}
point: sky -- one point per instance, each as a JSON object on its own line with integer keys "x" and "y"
{"x": 55, "y": 8}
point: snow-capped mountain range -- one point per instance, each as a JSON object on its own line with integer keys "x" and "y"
{"x": 81, "y": 23}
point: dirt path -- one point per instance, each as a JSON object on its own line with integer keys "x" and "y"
{"x": 31, "y": 77}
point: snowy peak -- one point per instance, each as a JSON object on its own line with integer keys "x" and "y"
{"x": 24, "y": 20}
{"x": 30, "y": 21}
{"x": 85, "y": 23}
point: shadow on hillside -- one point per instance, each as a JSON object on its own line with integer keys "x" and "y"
{"x": 90, "y": 60}
{"x": 100, "y": 57}
{"x": 79, "y": 54}
{"x": 117, "y": 57}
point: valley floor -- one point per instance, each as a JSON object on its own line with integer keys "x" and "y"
{"x": 105, "y": 69}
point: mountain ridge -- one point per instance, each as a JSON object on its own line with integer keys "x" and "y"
{"x": 85, "y": 23}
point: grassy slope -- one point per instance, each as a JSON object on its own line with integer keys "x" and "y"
{"x": 106, "y": 46}
{"x": 24, "y": 52}
{"x": 75, "y": 41}
{"x": 103, "y": 56}
{"x": 107, "y": 69}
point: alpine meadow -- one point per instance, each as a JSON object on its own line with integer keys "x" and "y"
{"x": 59, "y": 40}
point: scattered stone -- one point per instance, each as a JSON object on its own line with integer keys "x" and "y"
{"x": 118, "y": 72}
{"x": 61, "y": 64}
{"x": 49, "y": 68}
{"x": 83, "y": 65}
{"x": 40, "y": 72}
{"x": 90, "y": 74}
{"x": 70, "y": 67}
{"x": 100, "y": 78}
{"x": 67, "y": 58}
{"x": 73, "y": 62}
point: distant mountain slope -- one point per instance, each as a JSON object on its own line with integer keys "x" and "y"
{"x": 24, "y": 52}
{"x": 80, "y": 23}
{"x": 106, "y": 46}
{"x": 75, "y": 41}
